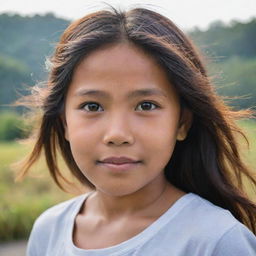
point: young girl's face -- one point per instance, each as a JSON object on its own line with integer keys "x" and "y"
{"x": 120, "y": 103}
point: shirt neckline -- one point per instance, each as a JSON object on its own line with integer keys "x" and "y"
{"x": 133, "y": 242}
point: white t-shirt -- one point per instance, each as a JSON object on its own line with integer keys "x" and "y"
{"x": 191, "y": 227}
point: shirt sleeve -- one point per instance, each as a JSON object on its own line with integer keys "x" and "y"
{"x": 238, "y": 241}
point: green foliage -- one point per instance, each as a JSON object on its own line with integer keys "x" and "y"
{"x": 12, "y": 126}
{"x": 30, "y": 39}
{"x": 17, "y": 218}
{"x": 22, "y": 202}
{"x": 14, "y": 76}
{"x": 237, "y": 79}
{"x": 231, "y": 51}
{"x": 249, "y": 127}
{"x": 224, "y": 41}
{"x": 25, "y": 44}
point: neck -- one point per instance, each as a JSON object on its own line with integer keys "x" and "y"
{"x": 150, "y": 198}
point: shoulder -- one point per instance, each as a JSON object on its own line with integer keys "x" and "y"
{"x": 236, "y": 241}
{"x": 53, "y": 223}
{"x": 216, "y": 229}
{"x": 202, "y": 214}
{"x": 210, "y": 215}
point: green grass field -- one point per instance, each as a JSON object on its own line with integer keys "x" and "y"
{"x": 250, "y": 129}
{"x": 22, "y": 202}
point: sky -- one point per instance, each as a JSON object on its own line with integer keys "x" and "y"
{"x": 185, "y": 13}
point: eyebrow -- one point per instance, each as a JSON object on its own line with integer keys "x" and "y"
{"x": 132, "y": 94}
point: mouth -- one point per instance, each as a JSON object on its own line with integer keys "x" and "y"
{"x": 119, "y": 166}
{"x": 119, "y": 160}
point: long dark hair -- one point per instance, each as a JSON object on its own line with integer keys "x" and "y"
{"x": 207, "y": 162}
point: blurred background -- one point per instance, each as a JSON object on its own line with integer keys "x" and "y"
{"x": 224, "y": 31}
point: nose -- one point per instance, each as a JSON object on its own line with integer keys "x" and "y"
{"x": 118, "y": 130}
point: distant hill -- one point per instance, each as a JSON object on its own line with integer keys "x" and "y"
{"x": 30, "y": 39}
{"x": 25, "y": 43}
{"x": 224, "y": 41}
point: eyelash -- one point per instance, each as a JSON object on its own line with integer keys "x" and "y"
{"x": 87, "y": 103}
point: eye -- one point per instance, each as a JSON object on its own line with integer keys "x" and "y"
{"x": 94, "y": 107}
{"x": 90, "y": 106}
{"x": 146, "y": 105}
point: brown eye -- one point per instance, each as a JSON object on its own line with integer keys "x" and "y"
{"x": 146, "y": 106}
{"x": 91, "y": 106}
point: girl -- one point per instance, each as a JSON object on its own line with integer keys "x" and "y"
{"x": 130, "y": 107}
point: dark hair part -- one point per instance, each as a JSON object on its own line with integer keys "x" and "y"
{"x": 207, "y": 162}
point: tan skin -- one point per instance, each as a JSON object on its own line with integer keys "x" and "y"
{"x": 124, "y": 203}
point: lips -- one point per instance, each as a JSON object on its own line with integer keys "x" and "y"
{"x": 119, "y": 160}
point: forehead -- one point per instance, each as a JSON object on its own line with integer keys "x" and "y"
{"x": 120, "y": 68}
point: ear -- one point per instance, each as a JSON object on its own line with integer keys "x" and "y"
{"x": 185, "y": 123}
{"x": 64, "y": 123}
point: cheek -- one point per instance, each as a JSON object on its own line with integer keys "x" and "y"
{"x": 163, "y": 130}
{"x": 82, "y": 139}
{"x": 160, "y": 139}
{"x": 78, "y": 129}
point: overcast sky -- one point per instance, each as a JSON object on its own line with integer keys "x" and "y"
{"x": 185, "y": 13}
